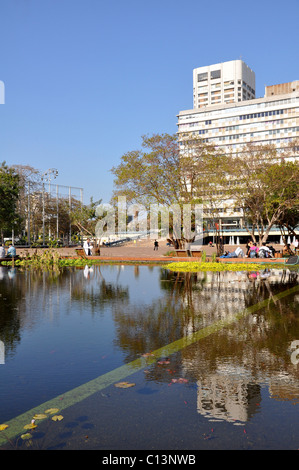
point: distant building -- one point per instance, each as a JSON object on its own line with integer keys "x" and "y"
{"x": 228, "y": 82}
{"x": 227, "y": 114}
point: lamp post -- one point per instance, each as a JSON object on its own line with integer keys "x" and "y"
{"x": 51, "y": 172}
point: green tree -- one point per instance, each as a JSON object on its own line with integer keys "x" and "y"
{"x": 84, "y": 218}
{"x": 9, "y": 192}
{"x": 265, "y": 185}
{"x": 166, "y": 173}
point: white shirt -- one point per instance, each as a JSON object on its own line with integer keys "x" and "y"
{"x": 87, "y": 246}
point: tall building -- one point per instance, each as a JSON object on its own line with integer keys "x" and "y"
{"x": 235, "y": 118}
{"x": 228, "y": 82}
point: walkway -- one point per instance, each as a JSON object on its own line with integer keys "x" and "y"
{"x": 143, "y": 251}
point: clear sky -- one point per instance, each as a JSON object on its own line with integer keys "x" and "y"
{"x": 85, "y": 79}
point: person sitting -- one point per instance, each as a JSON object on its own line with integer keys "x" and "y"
{"x": 265, "y": 252}
{"x": 248, "y": 246}
{"x": 296, "y": 245}
{"x": 253, "y": 251}
{"x": 287, "y": 250}
{"x": 11, "y": 252}
{"x": 2, "y": 251}
{"x": 234, "y": 254}
{"x": 273, "y": 251}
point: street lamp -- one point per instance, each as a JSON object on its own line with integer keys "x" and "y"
{"x": 51, "y": 172}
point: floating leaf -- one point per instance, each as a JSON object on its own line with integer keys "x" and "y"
{"x": 124, "y": 385}
{"x": 40, "y": 416}
{"x": 57, "y": 417}
{"x": 3, "y": 427}
{"x": 52, "y": 411}
{"x": 180, "y": 381}
{"x": 30, "y": 426}
{"x": 26, "y": 436}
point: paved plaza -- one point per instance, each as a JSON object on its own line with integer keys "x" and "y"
{"x": 140, "y": 250}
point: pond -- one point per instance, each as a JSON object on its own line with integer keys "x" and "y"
{"x": 139, "y": 357}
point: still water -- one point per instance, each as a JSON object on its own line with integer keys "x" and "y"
{"x": 73, "y": 336}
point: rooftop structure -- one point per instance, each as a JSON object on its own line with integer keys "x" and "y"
{"x": 227, "y": 82}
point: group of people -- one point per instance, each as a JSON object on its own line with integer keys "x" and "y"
{"x": 11, "y": 252}
{"x": 264, "y": 251}
{"x": 252, "y": 251}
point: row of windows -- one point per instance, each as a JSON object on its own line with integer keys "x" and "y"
{"x": 263, "y": 114}
{"x": 292, "y": 130}
{"x": 274, "y": 123}
{"x": 213, "y": 74}
{"x": 221, "y": 112}
{"x": 257, "y": 134}
{"x": 290, "y": 111}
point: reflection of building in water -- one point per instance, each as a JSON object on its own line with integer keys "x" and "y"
{"x": 284, "y": 387}
{"x": 224, "y": 293}
{"x": 224, "y": 398}
{"x": 232, "y": 365}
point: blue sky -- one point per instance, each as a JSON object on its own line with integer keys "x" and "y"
{"x": 85, "y": 79}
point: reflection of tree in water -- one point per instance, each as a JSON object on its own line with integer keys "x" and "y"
{"x": 229, "y": 364}
{"x": 143, "y": 328}
{"x": 10, "y": 294}
{"x": 252, "y": 351}
{"x": 100, "y": 293}
{"x": 21, "y": 290}
{"x": 277, "y": 325}
{"x": 256, "y": 348}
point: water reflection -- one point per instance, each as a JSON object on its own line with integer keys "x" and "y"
{"x": 232, "y": 367}
{"x": 150, "y": 307}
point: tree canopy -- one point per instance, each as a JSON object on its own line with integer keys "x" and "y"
{"x": 260, "y": 180}
{"x": 9, "y": 193}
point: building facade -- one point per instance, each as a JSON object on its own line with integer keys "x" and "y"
{"x": 231, "y": 122}
{"x": 228, "y": 82}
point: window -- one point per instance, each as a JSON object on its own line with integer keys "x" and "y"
{"x": 202, "y": 76}
{"x": 215, "y": 74}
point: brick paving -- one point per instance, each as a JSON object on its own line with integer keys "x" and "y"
{"x": 140, "y": 251}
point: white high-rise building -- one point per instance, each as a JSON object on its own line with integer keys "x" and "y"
{"x": 227, "y": 82}
{"x": 234, "y": 117}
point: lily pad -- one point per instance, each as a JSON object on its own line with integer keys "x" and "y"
{"x": 26, "y": 436}
{"x": 124, "y": 385}
{"x": 52, "y": 411}
{"x": 57, "y": 418}
{"x": 40, "y": 416}
{"x": 30, "y": 426}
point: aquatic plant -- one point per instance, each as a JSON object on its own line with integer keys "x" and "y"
{"x": 186, "y": 266}
{"x": 49, "y": 259}
{"x": 27, "y": 437}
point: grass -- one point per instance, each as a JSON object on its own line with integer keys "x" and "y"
{"x": 186, "y": 266}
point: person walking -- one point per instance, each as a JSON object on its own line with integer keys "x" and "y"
{"x": 88, "y": 247}
{"x": 156, "y": 245}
